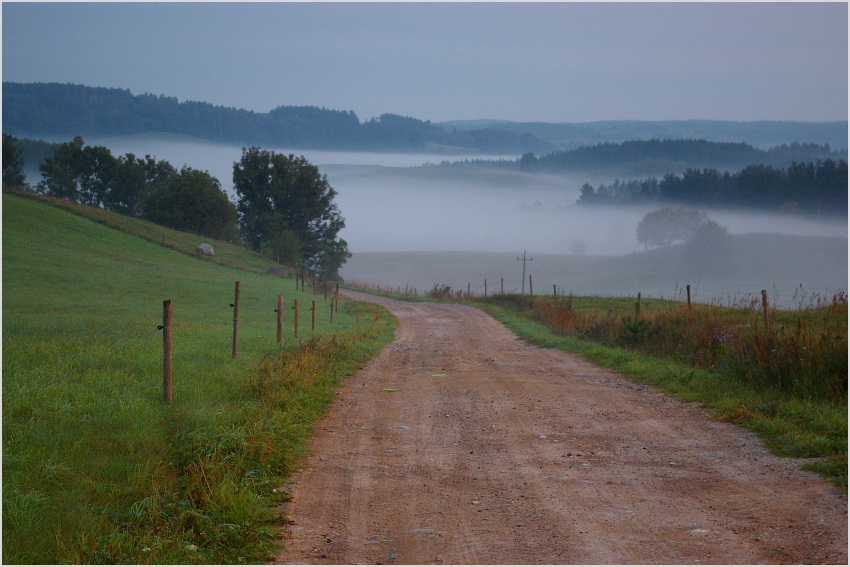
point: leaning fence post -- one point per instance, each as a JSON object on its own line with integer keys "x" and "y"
{"x": 530, "y": 286}
{"x": 166, "y": 350}
{"x": 235, "y": 318}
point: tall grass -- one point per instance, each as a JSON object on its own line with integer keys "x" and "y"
{"x": 786, "y": 379}
{"x": 801, "y": 353}
{"x": 96, "y": 467}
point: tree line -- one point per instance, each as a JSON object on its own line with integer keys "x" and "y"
{"x": 674, "y": 155}
{"x": 818, "y": 187}
{"x": 65, "y": 109}
{"x": 764, "y": 133}
{"x": 285, "y": 207}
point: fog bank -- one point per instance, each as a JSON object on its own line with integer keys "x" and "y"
{"x": 393, "y": 206}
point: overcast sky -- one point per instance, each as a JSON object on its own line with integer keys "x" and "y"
{"x": 552, "y": 62}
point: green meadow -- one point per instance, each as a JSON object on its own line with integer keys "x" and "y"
{"x": 97, "y": 468}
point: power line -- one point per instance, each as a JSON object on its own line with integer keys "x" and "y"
{"x": 524, "y": 260}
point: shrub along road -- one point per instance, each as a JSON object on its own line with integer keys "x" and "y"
{"x": 462, "y": 444}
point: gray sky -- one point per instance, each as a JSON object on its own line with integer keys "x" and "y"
{"x": 552, "y": 62}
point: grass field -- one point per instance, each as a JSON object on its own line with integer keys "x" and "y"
{"x": 96, "y": 467}
{"x": 795, "y": 270}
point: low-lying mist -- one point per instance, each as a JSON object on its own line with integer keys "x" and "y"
{"x": 463, "y": 208}
{"x": 393, "y": 206}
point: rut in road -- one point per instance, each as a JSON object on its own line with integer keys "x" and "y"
{"x": 462, "y": 444}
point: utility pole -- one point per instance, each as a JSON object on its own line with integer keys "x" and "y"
{"x": 524, "y": 260}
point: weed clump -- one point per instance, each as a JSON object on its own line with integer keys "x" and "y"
{"x": 804, "y": 353}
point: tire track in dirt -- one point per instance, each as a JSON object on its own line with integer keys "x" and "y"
{"x": 494, "y": 451}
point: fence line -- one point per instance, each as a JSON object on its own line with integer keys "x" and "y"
{"x": 689, "y": 294}
{"x": 299, "y": 281}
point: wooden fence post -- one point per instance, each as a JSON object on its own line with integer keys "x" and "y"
{"x": 503, "y": 286}
{"x": 485, "y": 288}
{"x": 530, "y": 286}
{"x": 688, "y": 287}
{"x": 295, "y": 307}
{"x": 637, "y": 308}
{"x": 554, "y": 291}
{"x": 166, "y": 350}
{"x": 313, "y": 328}
{"x": 279, "y": 317}
{"x": 765, "y": 308}
{"x": 235, "y": 318}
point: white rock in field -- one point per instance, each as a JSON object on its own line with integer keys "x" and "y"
{"x": 205, "y": 249}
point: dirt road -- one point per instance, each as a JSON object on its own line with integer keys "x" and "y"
{"x": 461, "y": 444}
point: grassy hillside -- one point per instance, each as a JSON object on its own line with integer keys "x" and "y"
{"x": 96, "y": 467}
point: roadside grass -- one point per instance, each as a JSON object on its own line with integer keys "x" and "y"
{"x": 96, "y": 467}
{"x": 788, "y": 384}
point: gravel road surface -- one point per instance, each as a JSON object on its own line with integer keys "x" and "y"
{"x": 462, "y": 444}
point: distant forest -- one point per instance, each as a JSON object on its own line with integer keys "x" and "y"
{"x": 650, "y": 156}
{"x": 52, "y": 109}
{"x": 760, "y": 133}
{"x": 33, "y": 110}
{"x": 818, "y": 188}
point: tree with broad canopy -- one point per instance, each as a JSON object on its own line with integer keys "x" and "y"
{"x": 283, "y": 200}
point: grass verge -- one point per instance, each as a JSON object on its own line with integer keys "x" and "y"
{"x": 792, "y": 425}
{"x": 96, "y": 467}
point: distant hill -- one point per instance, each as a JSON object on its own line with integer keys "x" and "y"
{"x": 661, "y": 156}
{"x": 33, "y": 110}
{"x": 761, "y": 134}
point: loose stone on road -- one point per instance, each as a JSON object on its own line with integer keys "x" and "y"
{"x": 462, "y": 444}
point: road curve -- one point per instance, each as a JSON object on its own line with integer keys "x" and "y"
{"x": 462, "y": 444}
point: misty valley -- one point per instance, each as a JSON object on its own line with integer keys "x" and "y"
{"x": 420, "y": 220}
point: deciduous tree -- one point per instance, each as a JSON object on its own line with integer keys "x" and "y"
{"x": 192, "y": 201}
{"x": 669, "y": 224}
{"x": 13, "y": 164}
{"x": 279, "y": 194}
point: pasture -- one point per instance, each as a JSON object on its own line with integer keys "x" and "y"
{"x": 97, "y": 468}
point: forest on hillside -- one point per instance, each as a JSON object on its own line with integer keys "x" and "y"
{"x": 33, "y": 110}
{"x": 52, "y": 109}
{"x": 759, "y": 133}
{"x": 815, "y": 188}
{"x": 635, "y": 158}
